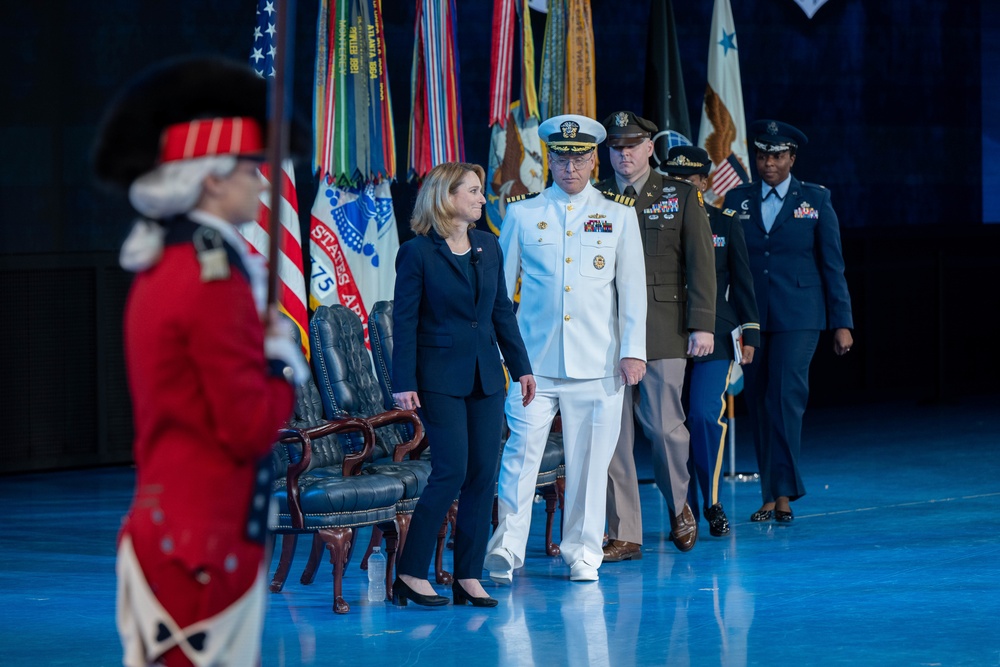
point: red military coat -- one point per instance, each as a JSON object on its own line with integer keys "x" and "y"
{"x": 206, "y": 405}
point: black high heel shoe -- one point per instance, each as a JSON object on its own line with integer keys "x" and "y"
{"x": 462, "y": 596}
{"x": 783, "y": 517}
{"x": 401, "y": 593}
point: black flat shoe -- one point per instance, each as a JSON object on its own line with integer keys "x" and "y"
{"x": 761, "y": 515}
{"x": 461, "y": 597}
{"x": 401, "y": 593}
{"x": 782, "y": 516}
{"x": 718, "y": 523}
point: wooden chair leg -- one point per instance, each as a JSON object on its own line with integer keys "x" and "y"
{"x": 338, "y": 543}
{"x": 372, "y": 543}
{"x": 309, "y": 573}
{"x": 391, "y": 534}
{"x": 440, "y": 575}
{"x": 452, "y": 517}
{"x": 551, "y": 496}
{"x": 288, "y": 543}
{"x": 402, "y": 530}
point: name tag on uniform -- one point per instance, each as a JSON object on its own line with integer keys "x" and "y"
{"x": 602, "y": 226}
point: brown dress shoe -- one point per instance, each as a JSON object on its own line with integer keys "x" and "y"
{"x": 618, "y": 550}
{"x": 684, "y": 529}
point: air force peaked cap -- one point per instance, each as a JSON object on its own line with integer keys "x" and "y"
{"x": 571, "y": 134}
{"x": 773, "y": 136}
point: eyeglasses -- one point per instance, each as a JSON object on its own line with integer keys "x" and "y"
{"x": 579, "y": 163}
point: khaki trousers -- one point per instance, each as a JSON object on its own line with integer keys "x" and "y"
{"x": 661, "y": 417}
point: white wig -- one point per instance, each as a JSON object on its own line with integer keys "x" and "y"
{"x": 175, "y": 187}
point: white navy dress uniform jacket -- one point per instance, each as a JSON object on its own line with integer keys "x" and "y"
{"x": 583, "y": 281}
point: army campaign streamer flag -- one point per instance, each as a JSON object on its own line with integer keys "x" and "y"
{"x": 353, "y": 244}
{"x": 516, "y": 163}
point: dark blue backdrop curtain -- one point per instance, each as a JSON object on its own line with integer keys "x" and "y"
{"x": 888, "y": 92}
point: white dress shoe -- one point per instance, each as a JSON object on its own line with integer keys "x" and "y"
{"x": 500, "y": 563}
{"x": 580, "y": 571}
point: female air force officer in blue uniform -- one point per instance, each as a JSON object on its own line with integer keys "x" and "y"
{"x": 793, "y": 239}
{"x": 451, "y": 311}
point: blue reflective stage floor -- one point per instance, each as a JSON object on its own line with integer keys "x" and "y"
{"x": 893, "y": 559}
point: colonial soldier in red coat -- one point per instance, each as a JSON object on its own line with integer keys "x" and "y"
{"x": 210, "y": 372}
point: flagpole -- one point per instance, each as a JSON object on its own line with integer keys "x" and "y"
{"x": 277, "y": 139}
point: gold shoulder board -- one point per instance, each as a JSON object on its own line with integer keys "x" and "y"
{"x": 529, "y": 195}
{"x": 621, "y": 199}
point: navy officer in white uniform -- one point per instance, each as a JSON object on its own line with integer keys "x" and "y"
{"x": 582, "y": 314}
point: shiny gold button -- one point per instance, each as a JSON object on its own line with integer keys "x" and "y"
{"x": 598, "y": 242}
{"x": 569, "y": 233}
{"x": 569, "y": 260}
{"x": 566, "y": 317}
{"x": 568, "y": 288}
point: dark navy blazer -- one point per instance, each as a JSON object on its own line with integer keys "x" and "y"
{"x": 797, "y": 267}
{"x": 442, "y": 330}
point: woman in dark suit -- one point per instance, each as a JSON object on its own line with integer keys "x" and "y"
{"x": 451, "y": 311}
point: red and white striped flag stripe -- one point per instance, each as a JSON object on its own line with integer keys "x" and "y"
{"x": 502, "y": 56}
{"x": 725, "y": 179}
{"x": 291, "y": 276}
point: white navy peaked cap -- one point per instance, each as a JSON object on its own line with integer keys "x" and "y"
{"x": 571, "y": 134}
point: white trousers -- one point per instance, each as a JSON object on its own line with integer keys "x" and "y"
{"x": 591, "y": 418}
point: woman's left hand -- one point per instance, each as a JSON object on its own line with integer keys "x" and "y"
{"x": 407, "y": 400}
{"x": 842, "y": 341}
{"x": 527, "y": 388}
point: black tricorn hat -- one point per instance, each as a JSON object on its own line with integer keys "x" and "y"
{"x": 182, "y": 90}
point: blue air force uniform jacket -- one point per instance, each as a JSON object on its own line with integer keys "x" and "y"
{"x": 797, "y": 267}
{"x": 583, "y": 283}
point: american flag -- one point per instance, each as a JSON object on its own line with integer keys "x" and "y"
{"x": 291, "y": 277}
{"x": 727, "y": 176}
{"x": 263, "y": 50}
